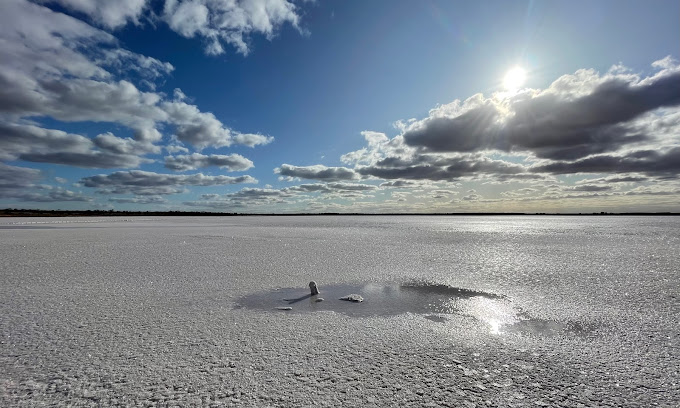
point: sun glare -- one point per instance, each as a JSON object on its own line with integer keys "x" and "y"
{"x": 514, "y": 79}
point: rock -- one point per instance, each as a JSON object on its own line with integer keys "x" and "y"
{"x": 284, "y": 308}
{"x": 319, "y": 300}
{"x": 313, "y": 288}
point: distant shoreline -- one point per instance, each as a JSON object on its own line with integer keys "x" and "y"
{"x": 106, "y": 213}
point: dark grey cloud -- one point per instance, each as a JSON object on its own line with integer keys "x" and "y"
{"x": 653, "y": 163}
{"x": 470, "y": 131}
{"x": 19, "y": 183}
{"x": 317, "y": 172}
{"x": 232, "y": 162}
{"x": 588, "y": 188}
{"x": 615, "y": 179}
{"x": 35, "y": 144}
{"x": 21, "y": 139}
{"x": 76, "y": 100}
{"x": 16, "y": 178}
{"x": 552, "y": 125}
{"x": 149, "y": 183}
{"x": 98, "y": 160}
{"x": 441, "y": 168}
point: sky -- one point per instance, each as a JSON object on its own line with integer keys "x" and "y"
{"x": 286, "y": 106}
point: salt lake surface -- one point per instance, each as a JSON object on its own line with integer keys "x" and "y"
{"x": 457, "y": 311}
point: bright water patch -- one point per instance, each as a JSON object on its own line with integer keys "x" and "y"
{"x": 379, "y": 299}
{"x": 436, "y": 302}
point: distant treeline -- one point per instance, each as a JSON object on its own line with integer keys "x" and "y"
{"x": 15, "y": 212}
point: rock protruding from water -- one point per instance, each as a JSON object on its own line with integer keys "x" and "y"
{"x": 353, "y": 298}
{"x": 313, "y": 288}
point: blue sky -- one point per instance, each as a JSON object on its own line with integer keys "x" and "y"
{"x": 340, "y": 106}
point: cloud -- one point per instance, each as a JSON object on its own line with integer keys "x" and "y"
{"x": 317, "y": 172}
{"x": 230, "y": 22}
{"x": 588, "y": 188}
{"x": 56, "y": 66}
{"x": 522, "y": 192}
{"x": 619, "y": 124}
{"x": 472, "y": 197}
{"x": 288, "y": 195}
{"x": 107, "y": 13}
{"x": 16, "y": 178}
{"x": 35, "y": 144}
{"x": 97, "y": 160}
{"x": 337, "y": 187}
{"x": 652, "y": 191}
{"x": 174, "y": 148}
{"x": 19, "y": 183}
{"x": 124, "y": 146}
{"x": 122, "y": 61}
{"x": 203, "y": 129}
{"x": 217, "y": 22}
{"x": 442, "y": 168}
{"x": 615, "y": 179}
{"x": 399, "y": 183}
{"x": 577, "y": 116}
{"x": 243, "y": 198}
{"x": 149, "y": 183}
{"x": 232, "y": 162}
{"x": 653, "y": 163}
{"x": 50, "y": 194}
{"x": 258, "y": 193}
{"x": 139, "y": 200}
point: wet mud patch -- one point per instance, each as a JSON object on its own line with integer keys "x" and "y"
{"x": 436, "y": 302}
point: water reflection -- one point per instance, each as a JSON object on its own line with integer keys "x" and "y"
{"x": 434, "y": 301}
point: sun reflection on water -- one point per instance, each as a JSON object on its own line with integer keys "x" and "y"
{"x": 496, "y": 313}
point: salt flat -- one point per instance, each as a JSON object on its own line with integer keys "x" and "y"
{"x": 581, "y": 311}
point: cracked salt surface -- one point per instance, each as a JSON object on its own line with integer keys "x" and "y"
{"x": 144, "y": 313}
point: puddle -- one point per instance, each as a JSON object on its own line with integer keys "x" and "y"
{"x": 379, "y": 299}
{"x": 433, "y": 301}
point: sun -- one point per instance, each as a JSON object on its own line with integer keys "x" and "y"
{"x": 514, "y": 79}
